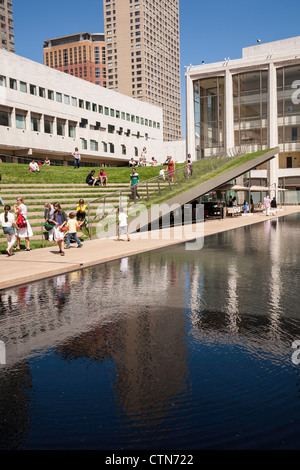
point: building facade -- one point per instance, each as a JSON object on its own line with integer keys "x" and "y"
{"x": 81, "y": 55}
{"x": 7, "y": 26}
{"x": 45, "y": 112}
{"x": 251, "y": 103}
{"x": 143, "y": 55}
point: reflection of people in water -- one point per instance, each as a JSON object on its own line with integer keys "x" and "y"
{"x": 62, "y": 289}
{"x": 124, "y": 265}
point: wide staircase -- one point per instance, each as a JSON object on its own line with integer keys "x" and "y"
{"x": 36, "y": 196}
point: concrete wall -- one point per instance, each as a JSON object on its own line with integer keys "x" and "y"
{"x": 17, "y": 140}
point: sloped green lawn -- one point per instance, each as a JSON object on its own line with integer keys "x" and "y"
{"x": 19, "y": 174}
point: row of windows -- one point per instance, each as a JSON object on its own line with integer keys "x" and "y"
{"x": 49, "y": 122}
{"x": 48, "y": 128}
{"x": 70, "y": 100}
{"x": 73, "y": 56}
{"x": 105, "y": 147}
{"x": 35, "y": 123}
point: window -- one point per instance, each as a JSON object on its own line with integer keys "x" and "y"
{"x": 23, "y": 87}
{"x": 66, "y": 99}
{"x": 42, "y": 92}
{"x": 48, "y": 125}
{"x": 20, "y": 121}
{"x": 4, "y": 118}
{"x": 74, "y": 101}
{"x": 72, "y": 129}
{"x": 32, "y": 89}
{"x": 111, "y": 148}
{"x": 2, "y": 80}
{"x": 83, "y": 123}
{"x": 111, "y": 129}
{"x": 60, "y": 127}
{"x": 35, "y": 124}
{"x": 83, "y": 144}
{"x": 94, "y": 145}
{"x": 50, "y": 95}
{"x": 12, "y": 83}
{"x": 59, "y": 97}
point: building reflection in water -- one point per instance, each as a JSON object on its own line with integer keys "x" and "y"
{"x": 139, "y": 312}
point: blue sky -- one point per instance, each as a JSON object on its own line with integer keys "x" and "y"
{"x": 210, "y": 31}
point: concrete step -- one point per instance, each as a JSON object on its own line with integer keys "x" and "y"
{"x": 36, "y": 195}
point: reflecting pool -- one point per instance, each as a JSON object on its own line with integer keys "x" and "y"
{"x": 171, "y": 349}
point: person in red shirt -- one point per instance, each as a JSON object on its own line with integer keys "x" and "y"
{"x": 103, "y": 178}
{"x": 171, "y": 168}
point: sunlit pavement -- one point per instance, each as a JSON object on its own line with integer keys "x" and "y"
{"x": 24, "y": 267}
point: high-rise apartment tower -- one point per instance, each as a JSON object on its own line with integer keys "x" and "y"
{"x": 81, "y": 55}
{"x": 6, "y": 26}
{"x": 143, "y": 55}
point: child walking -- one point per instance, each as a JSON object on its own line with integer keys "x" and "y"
{"x": 72, "y": 226}
{"x": 122, "y": 225}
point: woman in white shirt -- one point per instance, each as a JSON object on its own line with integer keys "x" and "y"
{"x": 7, "y": 220}
{"x": 144, "y": 156}
{"x": 25, "y": 232}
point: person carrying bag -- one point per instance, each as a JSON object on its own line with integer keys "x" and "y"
{"x": 8, "y": 224}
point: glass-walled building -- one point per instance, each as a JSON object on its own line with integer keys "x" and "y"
{"x": 252, "y": 103}
{"x": 288, "y": 99}
{"x": 209, "y": 116}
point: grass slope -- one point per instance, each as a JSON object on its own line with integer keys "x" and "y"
{"x": 13, "y": 173}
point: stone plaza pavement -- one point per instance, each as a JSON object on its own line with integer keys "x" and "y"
{"x": 25, "y": 267}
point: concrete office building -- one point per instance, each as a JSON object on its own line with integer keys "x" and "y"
{"x": 81, "y": 55}
{"x": 254, "y": 103}
{"x": 45, "y": 112}
{"x": 143, "y": 55}
{"x": 6, "y": 26}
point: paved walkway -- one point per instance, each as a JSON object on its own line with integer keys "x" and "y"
{"x": 39, "y": 264}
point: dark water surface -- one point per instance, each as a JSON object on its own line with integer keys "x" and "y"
{"x": 172, "y": 349}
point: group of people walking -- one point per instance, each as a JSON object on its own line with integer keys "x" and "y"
{"x": 57, "y": 218}
{"x": 16, "y": 226}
